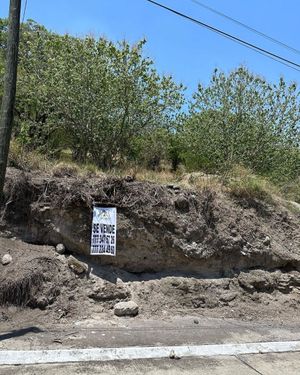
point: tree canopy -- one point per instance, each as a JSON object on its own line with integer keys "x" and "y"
{"x": 240, "y": 118}
{"x": 93, "y": 96}
{"x": 107, "y": 103}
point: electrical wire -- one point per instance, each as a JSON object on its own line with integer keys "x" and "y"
{"x": 24, "y": 11}
{"x": 247, "y": 27}
{"x": 255, "y": 48}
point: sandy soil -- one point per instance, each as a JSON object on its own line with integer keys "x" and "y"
{"x": 40, "y": 286}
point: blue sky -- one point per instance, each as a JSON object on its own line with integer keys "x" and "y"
{"x": 178, "y": 47}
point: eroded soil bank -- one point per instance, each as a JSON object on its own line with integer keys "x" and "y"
{"x": 177, "y": 251}
{"x": 160, "y": 228}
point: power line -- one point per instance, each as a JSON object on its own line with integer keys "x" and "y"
{"x": 24, "y": 11}
{"x": 271, "y": 55}
{"x": 255, "y": 48}
{"x": 247, "y": 27}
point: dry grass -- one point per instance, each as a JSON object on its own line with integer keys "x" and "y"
{"x": 71, "y": 169}
{"x": 239, "y": 182}
{"x": 242, "y": 183}
{"x": 292, "y": 206}
{"x": 249, "y": 188}
{"x": 65, "y": 169}
{"x": 26, "y": 160}
{"x": 163, "y": 177}
{"x": 194, "y": 180}
{"x": 202, "y": 181}
{"x": 291, "y": 191}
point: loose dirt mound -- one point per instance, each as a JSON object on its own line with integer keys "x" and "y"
{"x": 42, "y": 284}
{"x": 33, "y": 278}
{"x": 160, "y": 228}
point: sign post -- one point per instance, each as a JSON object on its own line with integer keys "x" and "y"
{"x": 104, "y": 231}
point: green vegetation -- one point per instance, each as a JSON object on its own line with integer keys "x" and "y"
{"x": 242, "y": 119}
{"x": 103, "y": 101}
{"x": 104, "y": 106}
{"x": 242, "y": 183}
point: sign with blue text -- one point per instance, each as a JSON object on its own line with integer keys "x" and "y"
{"x": 104, "y": 231}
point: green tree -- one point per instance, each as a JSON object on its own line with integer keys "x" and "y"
{"x": 90, "y": 95}
{"x": 36, "y": 87}
{"x": 108, "y": 95}
{"x": 242, "y": 119}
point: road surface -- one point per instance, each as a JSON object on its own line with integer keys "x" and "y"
{"x": 175, "y": 331}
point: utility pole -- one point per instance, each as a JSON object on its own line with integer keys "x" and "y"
{"x": 9, "y": 92}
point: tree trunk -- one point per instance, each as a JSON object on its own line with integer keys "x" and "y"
{"x": 9, "y": 92}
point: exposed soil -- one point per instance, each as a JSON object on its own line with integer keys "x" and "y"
{"x": 40, "y": 283}
{"x": 160, "y": 228}
{"x": 178, "y": 251}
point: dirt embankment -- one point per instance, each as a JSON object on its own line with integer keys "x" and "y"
{"x": 160, "y": 228}
{"x": 40, "y": 279}
{"x": 177, "y": 250}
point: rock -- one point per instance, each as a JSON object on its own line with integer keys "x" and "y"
{"x": 295, "y": 276}
{"x": 173, "y": 355}
{"x": 42, "y": 303}
{"x": 3, "y": 317}
{"x": 173, "y": 187}
{"x": 284, "y": 283}
{"x": 199, "y": 301}
{"x": 228, "y": 297}
{"x": 60, "y": 248}
{"x": 6, "y": 259}
{"x": 254, "y": 297}
{"x": 109, "y": 292}
{"x": 129, "y": 308}
{"x": 212, "y": 303}
{"x": 257, "y": 280}
{"x": 267, "y": 241}
{"x": 76, "y": 265}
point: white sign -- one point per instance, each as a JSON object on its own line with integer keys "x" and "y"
{"x": 104, "y": 231}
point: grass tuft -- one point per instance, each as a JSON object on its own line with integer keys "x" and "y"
{"x": 26, "y": 160}
{"x": 241, "y": 183}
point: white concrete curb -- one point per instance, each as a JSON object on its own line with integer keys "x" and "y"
{"x": 22, "y": 357}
